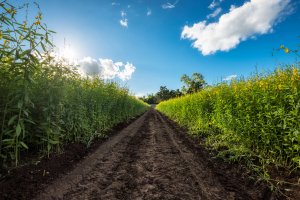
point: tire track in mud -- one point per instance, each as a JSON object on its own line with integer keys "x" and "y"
{"x": 149, "y": 159}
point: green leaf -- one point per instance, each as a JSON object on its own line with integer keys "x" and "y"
{"x": 26, "y": 98}
{"x": 53, "y": 142}
{"x": 8, "y": 140}
{"x": 24, "y": 145}
{"x": 9, "y": 38}
{"x": 43, "y": 46}
{"x": 50, "y": 31}
{"x": 49, "y": 147}
{"x": 18, "y": 130}
{"x": 12, "y": 119}
{"x": 47, "y": 40}
{"x": 20, "y": 104}
{"x": 26, "y": 113}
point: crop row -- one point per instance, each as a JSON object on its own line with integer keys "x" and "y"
{"x": 257, "y": 118}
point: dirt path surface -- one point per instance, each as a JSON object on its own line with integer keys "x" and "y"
{"x": 152, "y": 159}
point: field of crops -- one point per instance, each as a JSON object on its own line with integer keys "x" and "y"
{"x": 54, "y": 108}
{"x": 253, "y": 119}
{"x": 45, "y": 102}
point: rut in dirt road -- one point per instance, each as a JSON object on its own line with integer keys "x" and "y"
{"x": 150, "y": 159}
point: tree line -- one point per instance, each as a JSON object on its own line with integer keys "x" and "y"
{"x": 192, "y": 84}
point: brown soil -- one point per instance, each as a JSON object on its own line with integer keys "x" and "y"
{"x": 152, "y": 158}
{"x": 35, "y": 172}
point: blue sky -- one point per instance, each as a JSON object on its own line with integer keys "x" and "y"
{"x": 153, "y": 43}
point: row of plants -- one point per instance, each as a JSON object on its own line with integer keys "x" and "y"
{"x": 44, "y": 102}
{"x": 255, "y": 119}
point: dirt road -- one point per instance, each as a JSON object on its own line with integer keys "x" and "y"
{"x": 152, "y": 159}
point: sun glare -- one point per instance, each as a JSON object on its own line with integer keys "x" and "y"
{"x": 68, "y": 53}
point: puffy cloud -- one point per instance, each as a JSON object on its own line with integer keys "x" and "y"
{"x": 89, "y": 66}
{"x": 169, "y": 5}
{"x": 106, "y": 68}
{"x": 229, "y": 78}
{"x": 232, "y": 7}
{"x": 126, "y": 73}
{"x": 240, "y": 23}
{"x": 215, "y": 13}
{"x": 124, "y": 22}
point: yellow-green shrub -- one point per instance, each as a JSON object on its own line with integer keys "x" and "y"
{"x": 258, "y": 117}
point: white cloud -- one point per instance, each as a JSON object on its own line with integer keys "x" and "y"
{"x": 115, "y": 4}
{"x": 255, "y": 17}
{"x": 215, "y": 3}
{"x": 124, "y": 22}
{"x": 229, "y": 78}
{"x": 106, "y": 68}
{"x": 89, "y": 66}
{"x": 232, "y": 7}
{"x": 149, "y": 12}
{"x": 215, "y": 13}
{"x": 126, "y": 73}
{"x": 169, "y": 5}
{"x": 123, "y": 13}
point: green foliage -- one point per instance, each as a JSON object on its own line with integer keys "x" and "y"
{"x": 45, "y": 103}
{"x": 193, "y": 84}
{"x": 256, "y": 118}
{"x": 150, "y": 99}
{"x": 163, "y": 94}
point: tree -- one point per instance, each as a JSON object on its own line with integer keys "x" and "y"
{"x": 175, "y": 93}
{"x": 163, "y": 94}
{"x": 150, "y": 99}
{"x": 193, "y": 84}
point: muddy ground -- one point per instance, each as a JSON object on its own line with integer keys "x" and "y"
{"x": 152, "y": 158}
